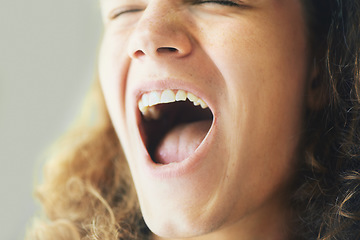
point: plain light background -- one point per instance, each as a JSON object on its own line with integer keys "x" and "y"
{"x": 48, "y": 51}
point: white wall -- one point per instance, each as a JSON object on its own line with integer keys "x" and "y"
{"x": 48, "y": 54}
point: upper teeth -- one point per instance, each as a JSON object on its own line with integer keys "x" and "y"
{"x": 167, "y": 96}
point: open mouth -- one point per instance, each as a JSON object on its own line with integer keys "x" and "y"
{"x": 173, "y": 124}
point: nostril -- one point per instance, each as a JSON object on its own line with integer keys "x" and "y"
{"x": 166, "y": 50}
{"x": 161, "y": 50}
{"x": 138, "y": 53}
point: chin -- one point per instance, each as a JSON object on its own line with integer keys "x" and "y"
{"x": 173, "y": 225}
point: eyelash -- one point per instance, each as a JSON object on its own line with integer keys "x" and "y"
{"x": 220, "y": 2}
{"x": 116, "y": 14}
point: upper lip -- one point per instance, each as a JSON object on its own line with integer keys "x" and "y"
{"x": 172, "y": 84}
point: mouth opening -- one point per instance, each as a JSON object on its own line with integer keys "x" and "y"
{"x": 172, "y": 131}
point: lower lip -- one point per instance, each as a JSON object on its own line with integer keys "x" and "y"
{"x": 185, "y": 167}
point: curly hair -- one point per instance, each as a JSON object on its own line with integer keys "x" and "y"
{"x": 88, "y": 192}
{"x": 328, "y": 194}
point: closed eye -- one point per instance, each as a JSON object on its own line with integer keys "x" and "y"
{"x": 220, "y": 2}
{"x": 122, "y": 11}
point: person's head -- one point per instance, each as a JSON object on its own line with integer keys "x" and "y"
{"x": 268, "y": 76}
{"x": 252, "y": 63}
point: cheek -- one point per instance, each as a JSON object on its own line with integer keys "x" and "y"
{"x": 266, "y": 87}
{"x": 113, "y": 60}
{"x": 113, "y": 65}
{"x": 266, "y": 91}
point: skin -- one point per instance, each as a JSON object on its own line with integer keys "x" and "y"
{"x": 251, "y": 64}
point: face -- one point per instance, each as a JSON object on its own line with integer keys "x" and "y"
{"x": 201, "y": 169}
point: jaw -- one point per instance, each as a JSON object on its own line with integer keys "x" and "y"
{"x": 213, "y": 171}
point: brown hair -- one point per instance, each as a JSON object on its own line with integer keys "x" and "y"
{"x": 328, "y": 194}
{"x": 88, "y": 192}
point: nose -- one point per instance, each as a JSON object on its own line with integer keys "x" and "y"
{"x": 160, "y": 32}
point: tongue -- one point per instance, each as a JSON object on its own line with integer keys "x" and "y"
{"x": 181, "y": 142}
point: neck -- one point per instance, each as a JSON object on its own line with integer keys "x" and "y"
{"x": 270, "y": 222}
